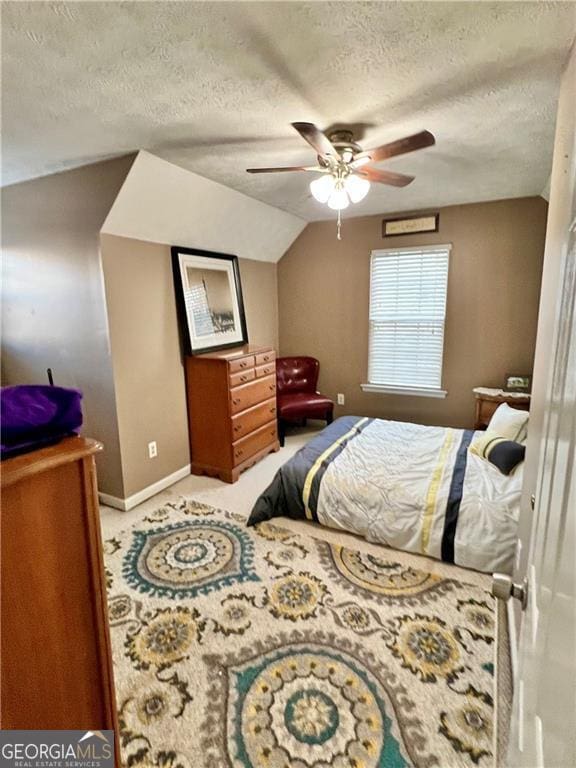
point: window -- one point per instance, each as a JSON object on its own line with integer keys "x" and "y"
{"x": 407, "y": 314}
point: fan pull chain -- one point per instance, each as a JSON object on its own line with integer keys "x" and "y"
{"x": 339, "y": 225}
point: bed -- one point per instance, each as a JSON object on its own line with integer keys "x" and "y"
{"x": 408, "y": 486}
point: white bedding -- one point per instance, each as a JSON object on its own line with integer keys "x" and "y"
{"x": 392, "y": 485}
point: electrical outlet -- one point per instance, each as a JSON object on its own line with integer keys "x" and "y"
{"x": 341, "y": 399}
{"x": 152, "y": 450}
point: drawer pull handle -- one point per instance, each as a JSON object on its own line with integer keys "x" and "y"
{"x": 266, "y": 358}
{"x": 243, "y": 364}
{"x": 237, "y": 428}
{"x": 236, "y": 401}
{"x": 271, "y": 387}
{"x": 239, "y": 453}
{"x": 243, "y": 378}
{"x": 272, "y": 409}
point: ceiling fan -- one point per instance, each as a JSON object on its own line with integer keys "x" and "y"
{"x": 344, "y": 165}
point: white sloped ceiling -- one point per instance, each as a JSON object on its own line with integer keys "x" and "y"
{"x": 164, "y": 203}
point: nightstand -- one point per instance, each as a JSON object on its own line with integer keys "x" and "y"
{"x": 487, "y": 400}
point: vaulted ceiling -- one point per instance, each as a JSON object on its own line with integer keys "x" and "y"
{"x": 213, "y": 87}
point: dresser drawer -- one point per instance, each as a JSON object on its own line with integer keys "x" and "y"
{"x": 254, "y": 442}
{"x": 265, "y": 357}
{"x": 250, "y": 394}
{"x": 249, "y": 420}
{"x": 241, "y": 364}
{"x": 242, "y": 377}
{"x": 265, "y": 370}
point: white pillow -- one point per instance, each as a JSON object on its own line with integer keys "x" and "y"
{"x": 510, "y": 423}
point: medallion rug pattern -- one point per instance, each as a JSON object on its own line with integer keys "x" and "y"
{"x": 262, "y": 648}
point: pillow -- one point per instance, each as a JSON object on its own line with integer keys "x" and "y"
{"x": 510, "y": 423}
{"x": 503, "y": 453}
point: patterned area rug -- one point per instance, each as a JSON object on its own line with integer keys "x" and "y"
{"x": 262, "y": 648}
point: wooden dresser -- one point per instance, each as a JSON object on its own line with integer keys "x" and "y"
{"x": 487, "y": 400}
{"x": 231, "y": 410}
{"x": 56, "y": 662}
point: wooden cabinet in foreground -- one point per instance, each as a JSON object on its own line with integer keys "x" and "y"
{"x": 231, "y": 410}
{"x": 56, "y": 662}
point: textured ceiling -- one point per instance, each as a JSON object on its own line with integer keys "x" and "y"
{"x": 213, "y": 86}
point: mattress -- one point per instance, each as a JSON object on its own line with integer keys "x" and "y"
{"x": 408, "y": 486}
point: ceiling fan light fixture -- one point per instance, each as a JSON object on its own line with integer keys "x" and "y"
{"x": 339, "y": 157}
{"x": 339, "y": 199}
{"x": 323, "y": 188}
{"x": 360, "y": 161}
{"x": 356, "y": 187}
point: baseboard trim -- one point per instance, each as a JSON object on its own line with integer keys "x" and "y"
{"x": 151, "y": 490}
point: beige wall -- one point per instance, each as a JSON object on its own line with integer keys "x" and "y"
{"x": 260, "y": 291}
{"x": 493, "y": 289}
{"x": 148, "y": 371}
{"x": 53, "y": 310}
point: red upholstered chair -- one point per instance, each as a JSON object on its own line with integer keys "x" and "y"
{"x": 298, "y": 399}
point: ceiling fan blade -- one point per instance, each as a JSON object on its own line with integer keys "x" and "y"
{"x": 316, "y": 139}
{"x": 399, "y": 147}
{"x": 314, "y": 168}
{"x": 384, "y": 177}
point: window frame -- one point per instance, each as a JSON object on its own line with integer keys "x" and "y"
{"x": 435, "y": 392}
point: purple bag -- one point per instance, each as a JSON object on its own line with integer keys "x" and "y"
{"x": 35, "y": 415}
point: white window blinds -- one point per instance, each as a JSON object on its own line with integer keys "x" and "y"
{"x": 407, "y": 313}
